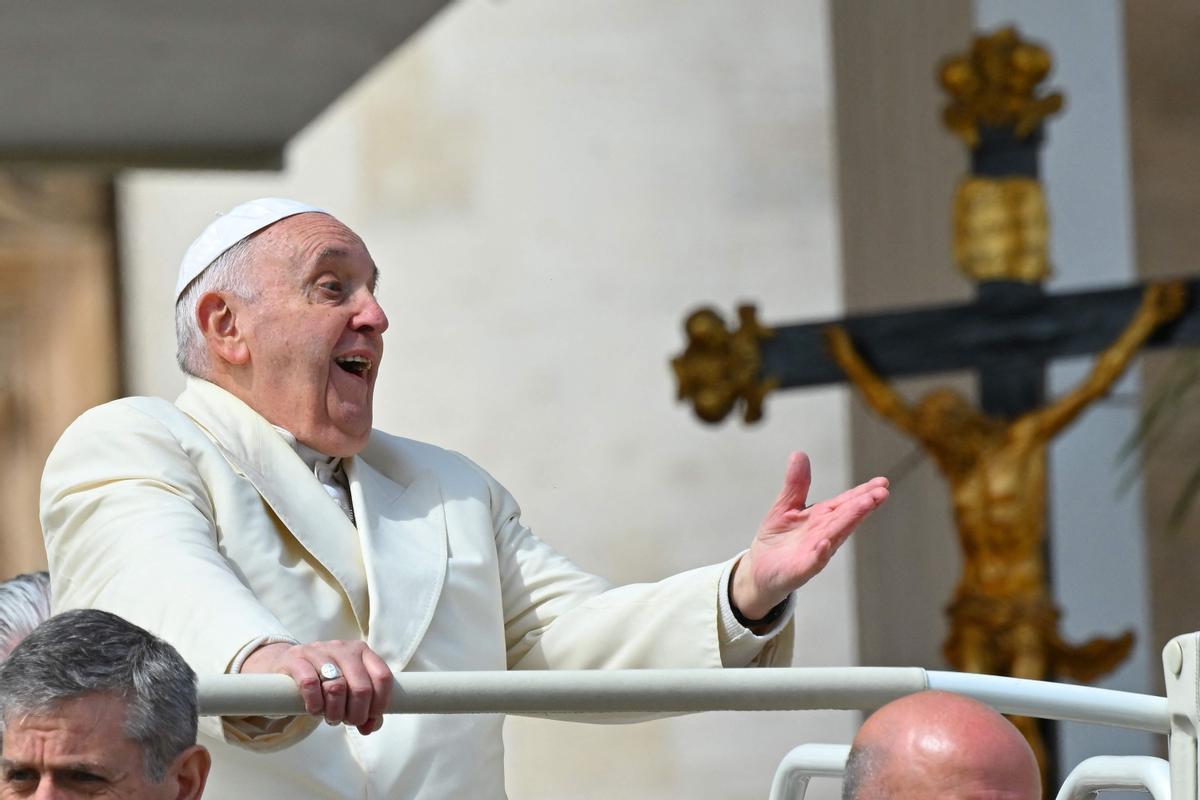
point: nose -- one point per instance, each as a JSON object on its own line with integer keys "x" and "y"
{"x": 47, "y": 791}
{"x": 370, "y": 316}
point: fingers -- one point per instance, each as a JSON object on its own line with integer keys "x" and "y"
{"x": 842, "y": 520}
{"x": 334, "y": 695}
{"x": 854, "y": 509}
{"x": 306, "y": 678}
{"x": 876, "y": 488}
{"x": 874, "y": 492}
{"x": 795, "y": 482}
{"x": 381, "y": 681}
{"x": 358, "y": 696}
{"x": 360, "y": 691}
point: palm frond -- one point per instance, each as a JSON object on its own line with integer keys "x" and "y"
{"x": 1183, "y": 504}
{"x": 1166, "y": 402}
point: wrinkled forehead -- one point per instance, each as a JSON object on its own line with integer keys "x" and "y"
{"x": 311, "y": 239}
{"x": 76, "y": 712}
{"x": 313, "y": 233}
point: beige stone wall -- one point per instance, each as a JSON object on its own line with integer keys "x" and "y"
{"x": 548, "y": 188}
{"x": 58, "y": 332}
{"x": 1164, "y": 104}
{"x": 896, "y": 178}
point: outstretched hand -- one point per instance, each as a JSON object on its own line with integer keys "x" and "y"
{"x": 796, "y": 540}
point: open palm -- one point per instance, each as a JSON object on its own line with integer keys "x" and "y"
{"x": 796, "y": 540}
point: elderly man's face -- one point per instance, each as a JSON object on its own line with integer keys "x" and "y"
{"x": 80, "y": 750}
{"x": 314, "y": 333}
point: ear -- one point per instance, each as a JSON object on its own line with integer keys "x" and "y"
{"x": 219, "y": 324}
{"x": 190, "y": 772}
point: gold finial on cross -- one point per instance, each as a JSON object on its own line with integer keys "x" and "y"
{"x": 720, "y": 367}
{"x": 994, "y": 86}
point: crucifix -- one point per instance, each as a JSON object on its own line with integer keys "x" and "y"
{"x": 1002, "y": 618}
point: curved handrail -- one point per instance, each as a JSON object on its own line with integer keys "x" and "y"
{"x": 1139, "y": 773}
{"x": 566, "y": 692}
{"x": 1062, "y": 701}
{"x": 804, "y": 763}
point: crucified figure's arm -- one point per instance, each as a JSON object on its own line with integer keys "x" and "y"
{"x": 1161, "y": 303}
{"x": 875, "y": 391}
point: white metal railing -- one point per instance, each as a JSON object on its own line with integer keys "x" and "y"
{"x": 1090, "y": 777}
{"x": 535, "y": 692}
{"x": 600, "y": 692}
{"x": 1181, "y": 671}
{"x": 1062, "y": 701}
{"x": 1103, "y": 773}
{"x": 804, "y": 763}
{"x": 562, "y": 692}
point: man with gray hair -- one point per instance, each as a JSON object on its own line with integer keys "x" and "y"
{"x": 94, "y": 705}
{"x": 940, "y": 746}
{"x": 24, "y": 604}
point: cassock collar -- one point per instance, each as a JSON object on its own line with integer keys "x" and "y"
{"x": 315, "y": 460}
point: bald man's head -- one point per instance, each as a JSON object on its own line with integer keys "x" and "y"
{"x": 939, "y": 745}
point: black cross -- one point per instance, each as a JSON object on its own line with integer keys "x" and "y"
{"x": 1007, "y": 335}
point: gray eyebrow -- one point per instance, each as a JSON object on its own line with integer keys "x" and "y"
{"x": 85, "y": 766}
{"x": 333, "y": 251}
{"x": 75, "y": 766}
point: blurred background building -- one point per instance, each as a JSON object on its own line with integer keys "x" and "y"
{"x": 548, "y": 188}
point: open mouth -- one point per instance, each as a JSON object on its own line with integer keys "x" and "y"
{"x": 355, "y": 365}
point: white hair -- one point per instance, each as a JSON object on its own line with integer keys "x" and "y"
{"x": 229, "y": 272}
{"x": 24, "y": 604}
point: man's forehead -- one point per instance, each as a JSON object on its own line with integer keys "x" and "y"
{"x": 309, "y": 229}
{"x": 84, "y": 710}
{"x": 321, "y": 241}
{"x": 313, "y": 237}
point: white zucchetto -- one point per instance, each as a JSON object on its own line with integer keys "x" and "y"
{"x": 230, "y": 228}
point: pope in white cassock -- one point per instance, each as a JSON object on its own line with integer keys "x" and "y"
{"x": 259, "y": 524}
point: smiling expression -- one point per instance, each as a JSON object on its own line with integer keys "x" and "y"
{"x": 313, "y": 334}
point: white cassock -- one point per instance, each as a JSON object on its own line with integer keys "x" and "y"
{"x": 199, "y": 522}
